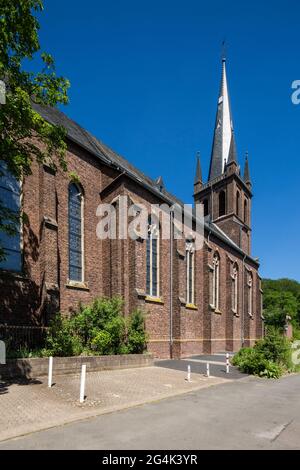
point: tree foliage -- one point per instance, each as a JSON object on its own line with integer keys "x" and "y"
{"x": 281, "y": 299}
{"x": 25, "y": 135}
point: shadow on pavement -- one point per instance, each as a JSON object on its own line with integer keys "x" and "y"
{"x": 5, "y": 384}
{"x": 198, "y": 366}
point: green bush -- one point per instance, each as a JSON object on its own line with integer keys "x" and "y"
{"x": 270, "y": 357}
{"x": 275, "y": 347}
{"x": 250, "y": 361}
{"x": 96, "y": 317}
{"x": 99, "y": 328}
{"x": 61, "y": 340}
{"x": 136, "y": 336}
{"x": 296, "y": 333}
{"x": 23, "y": 351}
{"x": 271, "y": 371}
{"x": 102, "y": 342}
{"x": 116, "y": 328}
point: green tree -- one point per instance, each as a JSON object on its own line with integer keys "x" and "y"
{"x": 25, "y": 135}
{"x": 281, "y": 299}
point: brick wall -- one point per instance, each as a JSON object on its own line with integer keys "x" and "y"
{"x": 119, "y": 267}
{"x": 38, "y": 367}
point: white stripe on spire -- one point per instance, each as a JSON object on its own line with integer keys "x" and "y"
{"x": 226, "y": 118}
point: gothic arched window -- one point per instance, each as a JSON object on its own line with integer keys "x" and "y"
{"x": 222, "y": 203}
{"x": 215, "y": 284}
{"x": 190, "y": 273}
{"x": 246, "y": 211}
{"x": 152, "y": 277}
{"x": 250, "y": 294}
{"x": 76, "y": 252}
{"x": 238, "y": 197}
{"x": 10, "y": 196}
{"x": 234, "y": 291}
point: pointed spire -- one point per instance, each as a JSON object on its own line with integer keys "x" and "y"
{"x": 223, "y": 130}
{"x": 247, "y": 178}
{"x": 198, "y": 177}
{"x": 232, "y": 157}
{"x": 160, "y": 183}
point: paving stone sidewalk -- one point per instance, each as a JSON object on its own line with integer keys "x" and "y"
{"x": 31, "y": 406}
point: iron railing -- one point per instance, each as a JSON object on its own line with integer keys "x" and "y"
{"x": 23, "y": 337}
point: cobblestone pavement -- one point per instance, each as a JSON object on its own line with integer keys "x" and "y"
{"x": 31, "y": 406}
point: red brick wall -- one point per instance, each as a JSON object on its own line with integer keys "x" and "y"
{"x": 119, "y": 267}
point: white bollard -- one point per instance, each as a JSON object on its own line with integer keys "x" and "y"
{"x": 82, "y": 383}
{"x": 50, "y": 372}
{"x": 227, "y": 364}
{"x": 207, "y": 370}
{"x": 189, "y": 374}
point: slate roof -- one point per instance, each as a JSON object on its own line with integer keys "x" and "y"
{"x": 86, "y": 140}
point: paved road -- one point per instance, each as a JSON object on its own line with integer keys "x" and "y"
{"x": 243, "y": 414}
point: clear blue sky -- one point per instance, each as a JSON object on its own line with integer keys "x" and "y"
{"x": 145, "y": 78}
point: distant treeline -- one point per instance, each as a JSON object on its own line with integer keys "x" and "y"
{"x": 281, "y": 299}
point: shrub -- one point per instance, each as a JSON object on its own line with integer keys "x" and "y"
{"x": 269, "y": 358}
{"x": 251, "y": 361}
{"x": 99, "y": 328}
{"x": 136, "y": 337}
{"x": 102, "y": 342}
{"x": 116, "y": 327}
{"x": 61, "y": 340}
{"x": 271, "y": 371}
{"x": 296, "y": 333}
{"x": 96, "y": 316}
{"x": 275, "y": 347}
{"x": 241, "y": 356}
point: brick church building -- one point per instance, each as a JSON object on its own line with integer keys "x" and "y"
{"x": 195, "y": 301}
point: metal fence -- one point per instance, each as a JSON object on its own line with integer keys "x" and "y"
{"x": 23, "y": 337}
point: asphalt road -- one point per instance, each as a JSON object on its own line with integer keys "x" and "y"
{"x": 198, "y": 366}
{"x": 243, "y": 414}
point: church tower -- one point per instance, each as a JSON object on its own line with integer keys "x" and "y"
{"x": 227, "y": 195}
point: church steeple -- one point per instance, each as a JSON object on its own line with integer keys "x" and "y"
{"x": 247, "y": 178}
{"x": 198, "y": 177}
{"x": 227, "y": 195}
{"x": 223, "y": 135}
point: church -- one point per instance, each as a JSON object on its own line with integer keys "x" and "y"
{"x": 195, "y": 301}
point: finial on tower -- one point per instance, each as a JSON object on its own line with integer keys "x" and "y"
{"x": 224, "y": 50}
{"x": 247, "y": 178}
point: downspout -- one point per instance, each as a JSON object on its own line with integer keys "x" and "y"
{"x": 208, "y": 238}
{"x": 171, "y": 281}
{"x": 243, "y": 305}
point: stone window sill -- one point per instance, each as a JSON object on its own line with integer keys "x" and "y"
{"x": 215, "y": 310}
{"x": 77, "y": 285}
{"x": 154, "y": 300}
{"x": 236, "y": 314}
{"x": 191, "y": 307}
